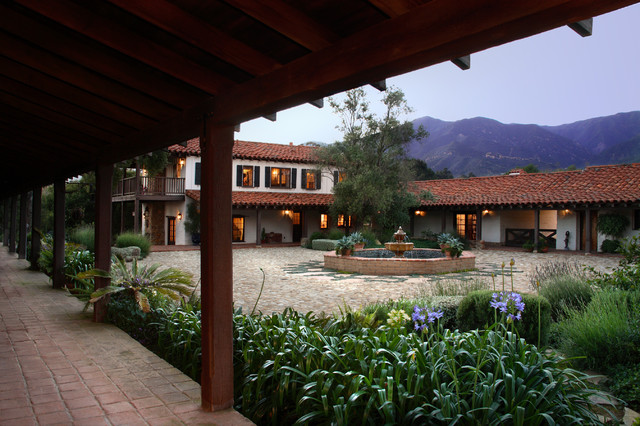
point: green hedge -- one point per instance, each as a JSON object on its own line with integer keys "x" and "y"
{"x": 324, "y": 245}
{"x": 129, "y": 239}
{"x": 475, "y": 312}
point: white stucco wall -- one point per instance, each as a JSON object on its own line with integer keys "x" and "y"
{"x": 491, "y": 227}
{"x": 431, "y": 221}
{"x": 171, "y": 208}
{"x": 567, "y": 220}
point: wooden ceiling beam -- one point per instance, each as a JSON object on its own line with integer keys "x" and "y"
{"x": 393, "y": 8}
{"x": 288, "y": 21}
{"x": 86, "y": 54}
{"x": 176, "y": 21}
{"x": 72, "y": 94}
{"x": 92, "y": 133}
{"x": 122, "y": 39}
{"x": 78, "y": 76}
{"x": 428, "y": 35}
{"x": 35, "y": 96}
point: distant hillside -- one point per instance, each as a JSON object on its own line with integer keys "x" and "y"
{"x": 486, "y": 147}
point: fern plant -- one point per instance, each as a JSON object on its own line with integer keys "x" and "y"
{"x": 170, "y": 282}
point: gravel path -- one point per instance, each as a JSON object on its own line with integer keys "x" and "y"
{"x": 294, "y": 277}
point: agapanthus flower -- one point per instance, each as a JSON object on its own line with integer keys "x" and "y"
{"x": 422, "y": 317}
{"x": 509, "y": 303}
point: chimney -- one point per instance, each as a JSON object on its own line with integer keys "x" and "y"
{"x": 290, "y": 143}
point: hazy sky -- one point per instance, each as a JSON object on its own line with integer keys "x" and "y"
{"x": 552, "y": 78}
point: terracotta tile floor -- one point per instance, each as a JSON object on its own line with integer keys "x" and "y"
{"x": 59, "y": 367}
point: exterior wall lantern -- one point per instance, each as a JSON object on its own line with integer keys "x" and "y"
{"x": 179, "y": 216}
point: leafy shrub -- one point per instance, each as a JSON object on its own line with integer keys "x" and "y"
{"x": 335, "y": 234}
{"x": 314, "y": 236}
{"x": 294, "y": 368}
{"x": 475, "y": 312}
{"x": 456, "y": 287}
{"x": 612, "y": 224}
{"x": 370, "y": 237}
{"x": 626, "y": 384}
{"x": 610, "y": 246}
{"x": 84, "y": 236}
{"x": 627, "y": 275}
{"x": 124, "y": 313}
{"x": 385, "y": 235}
{"x": 566, "y": 291}
{"x": 324, "y": 245}
{"x": 607, "y": 332}
{"x": 129, "y": 239}
{"x": 76, "y": 261}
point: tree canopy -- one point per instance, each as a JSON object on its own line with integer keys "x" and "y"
{"x": 371, "y": 157}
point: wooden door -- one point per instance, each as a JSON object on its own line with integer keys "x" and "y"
{"x": 171, "y": 231}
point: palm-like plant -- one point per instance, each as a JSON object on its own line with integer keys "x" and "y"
{"x": 171, "y": 282}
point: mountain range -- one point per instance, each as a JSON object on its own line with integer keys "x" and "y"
{"x": 483, "y": 146}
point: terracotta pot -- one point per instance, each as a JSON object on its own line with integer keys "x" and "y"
{"x": 345, "y": 252}
{"x": 358, "y": 246}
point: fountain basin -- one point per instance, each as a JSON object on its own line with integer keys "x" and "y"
{"x": 399, "y": 248}
{"x": 376, "y": 264}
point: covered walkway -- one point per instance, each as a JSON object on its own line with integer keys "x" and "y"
{"x": 57, "y": 366}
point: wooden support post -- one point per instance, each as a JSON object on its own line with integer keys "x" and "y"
{"x": 478, "y": 227}
{"x": 216, "y": 144}
{"x": 536, "y": 227}
{"x": 36, "y": 225}
{"x": 136, "y": 201}
{"x": 258, "y": 227}
{"x": 5, "y": 222}
{"x": 58, "y": 233}
{"x": 122, "y": 217}
{"x": 12, "y": 224}
{"x": 587, "y": 231}
{"x": 104, "y": 175}
{"x": 22, "y": 231}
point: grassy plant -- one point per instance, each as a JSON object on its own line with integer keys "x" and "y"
{"x": 448, "y": 304}
{"x": 452, "y": 287}
{"x": 566, "y": 292}
{"x": 84, "y": 236}
{"x": 475, "y": 312}
{"x": 138, "y": 281}
{"x": 291, "y": 368}
{"x": 550, "y": 270}
{"x": 606, "y": 333}
{"x": 179, "y": 339}
{"x": 129, "y": 239}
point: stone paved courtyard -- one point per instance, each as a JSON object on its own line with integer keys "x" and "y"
{"x": 294, "y": 276}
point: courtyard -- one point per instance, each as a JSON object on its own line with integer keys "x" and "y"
{"x": 294, "y": 277}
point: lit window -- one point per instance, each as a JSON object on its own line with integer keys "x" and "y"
{"x": 340, "y": 220}
{"x": 324, "y": 221}
{"x": 341, "y": 176}
{"x": 280, "y": 177}
{"x": 295, "y": 219}
{"x": 247, "y": 176}
{"x": 311, "y": 180}
{"x": 238, "y": 228}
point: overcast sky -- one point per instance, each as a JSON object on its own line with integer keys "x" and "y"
{"x": 552, "y": 78}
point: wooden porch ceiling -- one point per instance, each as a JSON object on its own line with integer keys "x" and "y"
{"x": 83, "y": 82}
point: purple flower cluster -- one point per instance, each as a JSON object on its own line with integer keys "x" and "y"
{"x": 508, "y": 303}
{"x": 422, "y": 317}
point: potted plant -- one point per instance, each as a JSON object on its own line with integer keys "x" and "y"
{"x": 528, "y": 246}
{"x": 344, "y": 246}
{"x": 543, "y": 245}
{"x": 452, "y": 247}
{"x": 443, "y": 240}
{"x": 358, "y": 240}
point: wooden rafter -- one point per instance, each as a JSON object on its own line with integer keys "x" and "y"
{"x": 206, "y": 37}
{"x": 288, "y": 21}
{"x": 122, "y": 39}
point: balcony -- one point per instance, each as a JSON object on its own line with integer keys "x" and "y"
{"x": 149, "y": 189}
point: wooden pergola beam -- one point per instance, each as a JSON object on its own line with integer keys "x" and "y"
{"x": 288, "y": 21}
{"x": 130, "y": 43}
{"x": 176, "y": 21}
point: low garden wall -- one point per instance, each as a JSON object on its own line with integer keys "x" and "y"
{"x": 399, "y": 266}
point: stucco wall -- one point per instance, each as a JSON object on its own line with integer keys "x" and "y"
{"x": 491, "y": 227}
{"x": 567, "y": 220}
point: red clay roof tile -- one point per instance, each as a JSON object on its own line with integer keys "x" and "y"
{"x": 255, "y": 151}
{"x": 274, "y": 199}
{"x": 597, "y": 184}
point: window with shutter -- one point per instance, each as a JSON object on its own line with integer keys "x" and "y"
{"x": 197, "y": 177}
